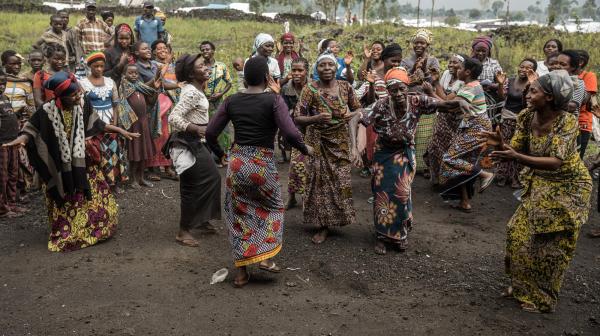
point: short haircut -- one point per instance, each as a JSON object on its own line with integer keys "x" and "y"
{"x": 63, "y": 11}
{"x": 559, "y": 44}
{"x": 301, "y": 60}
{"x": 106, "y": 14}
{"x": 156, "y": 43}
{"x": 573, "y": 57}
{"x": 55, "y": 17}
{"x": 6, "y": 55}
{"x": 474, "y": 65}
{"x": 584, "y": 57}
{"x": 52, "y": 48}
{"x": 531, "y": 60}
{"x": 325, "y": 45}
{"x": 35, "y": 51}
{"x": 378, "y": 42}
{"x": 256, "y": 71}
{"x": 209, "y": 43}
{"x": 137, "y": 45}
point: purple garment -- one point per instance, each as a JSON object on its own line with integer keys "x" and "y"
{"x": 255, "y": 118}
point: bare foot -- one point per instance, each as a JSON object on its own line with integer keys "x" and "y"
{"x": 10, "y": 214}
{"x": 145, "y": 183}
{"x": 320, "y": 236}
{"x": 186, "y": 239}
{"x": 380, "y": 247}
{"x": 241, "y": 278}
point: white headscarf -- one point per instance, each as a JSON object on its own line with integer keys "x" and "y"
{"x": 261, "y": 39}
{"x": 327, "y": 56}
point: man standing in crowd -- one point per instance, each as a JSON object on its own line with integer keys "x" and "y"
{"x": 91, "y": 33}
{"x": 148, "y": 28}
{"x": 71, "y": 39}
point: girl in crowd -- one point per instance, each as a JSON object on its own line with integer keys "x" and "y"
{"x": 103, "y": 96}
{"x": 253, "y": 205}
{"x": 568, "y": 60}
{"x": 461, "y": 164}
{"x": 482, "y": 51}
{"x": 586, "y": 119}
{"x": 344, "y": 69}
{"x": 325, "y": 108}
{"x": 513, "y": 91}
{"x": 136, "y": 101}
{"x": 200, "y": 182}
{"x": 290, "y": 92}
{"x": 395, "y": 120}
{"x": 81, "y": 209}
{"x": 551, "y": 47}
{"x": 420, "y": 65}
{"x": 56, "y": 56}
{"x": 373, "y": 61}
{"x": 120, "y": 54}
{"x": 217, "y": 86}
{"x": 109, "y": 18}
{"x": 542, "y": 233}
{"x": 287, "y": 56}
{"x": 168, "y": 95}
{"x": 446, "y": 124}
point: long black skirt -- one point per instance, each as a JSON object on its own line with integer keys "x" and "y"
{"x": 200, "y": 188}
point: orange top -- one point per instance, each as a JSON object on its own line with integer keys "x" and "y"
{"x": 591, "y": 86}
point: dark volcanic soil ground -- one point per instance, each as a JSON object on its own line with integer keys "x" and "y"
{"x": 141, "y": 282}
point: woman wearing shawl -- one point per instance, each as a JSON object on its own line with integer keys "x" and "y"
{"x": 103, "y": 95}
{"x": 81, "y": 209}
{"x": 253, "y": 203}
{"x": 120, "y": 54}
{"x": 482, "y": 50}
{"x": 420, "y": 66}
{"x": 555, "y": 200}
{"x": 264, "y": 45}
{"x": 287, "y": 56}
{"x": 325, "y": 107}
{"x": 395, "y": 120}
{"x": 446, "y": 124}
{"x": 200, "y": 182}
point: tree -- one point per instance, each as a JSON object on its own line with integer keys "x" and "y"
{"x": 589, "y": 9}
{"x": 418, "y": 11}
{"x": 452, "y": 19}
{"x": 497, "y": 6}
{"x": 432, "y": 9}
{"x": 347, "y": 5}
{"x": 326, "y": 7}
{"x": 558, "y": 9}
{"x": 474, "y": 14}
{"x": 484, "y": 3}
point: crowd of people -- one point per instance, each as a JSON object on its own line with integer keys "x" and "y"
{"x": 106, "y": 107}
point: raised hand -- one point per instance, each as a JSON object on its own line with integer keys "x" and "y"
{"x": 273, "y": 85}
{"x": 367, "y": 52}
{"x": 371, "y": 76}
{"x": 532, "y": 76}
{"x": 348, "y": 58}
{"x": 494, "y": 138}
{"x": 500, "y": 77}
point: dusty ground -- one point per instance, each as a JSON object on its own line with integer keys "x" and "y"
{"x": 142, "y": 283}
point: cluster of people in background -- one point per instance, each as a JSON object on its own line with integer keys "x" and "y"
{"x": 107, "y": 106}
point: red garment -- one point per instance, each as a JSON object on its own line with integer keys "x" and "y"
{"x": 159, "y": 160}
{"x": 371, "y": 142}
{"x": 281, "y": 58}
{"x": 38, "y": 83}
{"x": 586, "y": 118}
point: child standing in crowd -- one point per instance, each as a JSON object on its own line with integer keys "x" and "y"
{"x": 344, "y": 69}
{"x": 57, "y": 58}
{"x": 36, "y": 63}
{"x": 136, "y": 97}
{"x": 56, "y": 34}
{"x": 9, "y": 156}
{"x": 102, "y": 93}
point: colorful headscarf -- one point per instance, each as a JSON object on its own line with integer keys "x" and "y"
{"x": 124, "y": 28}
{"x": 396, "y": 75}
{"x": 95, "y": 56}
{"x": 288, "y": 36}
{"x": 63, "y": 84}
{"x": 459, "y": 57}
{"x": 261, "y": 39}
{"x": 160, "y": 15}
{"x": 559, "y": 84}
{"x": 486, "y": 41}
{"x": 424, "y": 34}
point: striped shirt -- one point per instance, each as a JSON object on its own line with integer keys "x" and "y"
{"x": 475, "y": 97}
{"x": 20, "y": 94}
{"x": 91, "y": 35}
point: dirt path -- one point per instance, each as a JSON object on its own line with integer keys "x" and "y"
{"x": 142, "y": 283}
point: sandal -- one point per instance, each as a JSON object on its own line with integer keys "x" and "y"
{"x": 153, "y": 177}
{"x": 530, "y": 307}
{"x": 171, "y": 175}
{"x": 320, "y": 237}
{"x": 273, "y": 268}
{"x": 380, "y": 249}
{"x": 485, "y": 183}
{"x": 10, "y": 214}
{"x": 189, "y": 242}
{"x": 402, "y": 245}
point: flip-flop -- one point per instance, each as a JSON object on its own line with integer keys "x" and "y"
{"x": 242, "y": 283}
{"x": 189, "y": 242}
{"x": 459, "y": 208}
{"x": 273, "y": 268}
{"x": 486, "y": 183}
{"x": 530, "y": 308}
{"x": 380, "y": 250}
{"x": 153, "y": 178}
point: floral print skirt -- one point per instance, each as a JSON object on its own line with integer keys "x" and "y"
{"x": 443, "y": 131}
{"x": 508, "y": 170}
{"x": 82, "y": 222}
{"x": 465, "y": 158}
{"x": 253, "y": 205}
{"x": 393, "y": 175}
{"x": 297, "y": 174}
